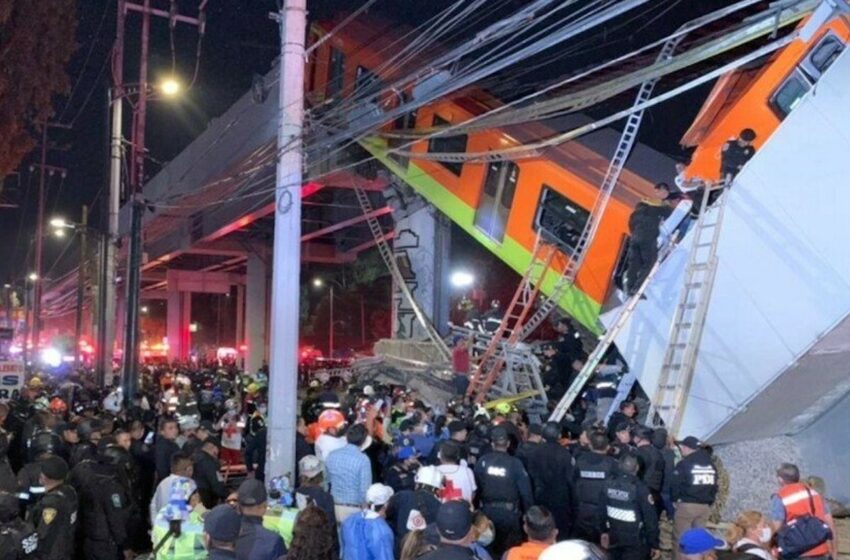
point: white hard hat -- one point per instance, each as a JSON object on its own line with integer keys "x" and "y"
{"x": 430, "y": 476}
{"x": 368, "y": 390}
{"x": 574, "y": 550}
{"x": 379, "y": 494}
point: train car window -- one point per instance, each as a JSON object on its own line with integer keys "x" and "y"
{"x": 497, "y": 197}
{"x": 402, "y": 122}
{"x": 367, "y": 81}
{"x": 560, "y": 220}
{"x": 448, "y": 144}
{"x": 822, "y": 56}
{"x": 336, "y": 72}
{"x": 789, "y": 94}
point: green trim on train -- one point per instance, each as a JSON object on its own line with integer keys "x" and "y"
{"x": 576, "y": 303}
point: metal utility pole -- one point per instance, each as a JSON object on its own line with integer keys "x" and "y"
{"x": 286, "y": 259}
{"x": 81, "y": 284}
{"x": 39, "y": 244}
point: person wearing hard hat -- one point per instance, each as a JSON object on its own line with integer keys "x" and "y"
{"x": 332, "y": 424}
{"x": 422, "y": 501}
{"x": 366, "y": 535}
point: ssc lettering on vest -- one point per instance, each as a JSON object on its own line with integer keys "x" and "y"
{"x": 30, "y": 544}
{"x": 497, "y": 471}
{"x": 619, "y": 495}
{"x": 597, "y": 475}
{"x": 703, "y": 476}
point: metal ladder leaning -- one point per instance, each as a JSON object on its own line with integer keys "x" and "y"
{"x": 519, "y": 311}
{"x": 626, "y": 312}
{"x": 389, "y": 259}
{"x": 677, "y": 369}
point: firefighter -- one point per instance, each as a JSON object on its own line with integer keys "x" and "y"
{"x": 592, "y": 471}
{"x": 504, "y": 490}
{"x": 631, "y": 520}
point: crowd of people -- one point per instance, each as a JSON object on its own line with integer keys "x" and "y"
{"x": 179, "y": 472}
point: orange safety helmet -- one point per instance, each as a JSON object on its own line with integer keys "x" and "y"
{"x": 331, "y": 419}
{"x": 57, "y": 406}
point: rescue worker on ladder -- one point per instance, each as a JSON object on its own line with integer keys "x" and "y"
{"x": 592, "y": 471}
{"x": 504, "y": 491}
{"x": 644, "y": 227}
{"x": 693, "y": 488}
{"x": 631, "y": 520}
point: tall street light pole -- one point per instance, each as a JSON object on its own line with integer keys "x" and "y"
{"x": 286, "y": 260}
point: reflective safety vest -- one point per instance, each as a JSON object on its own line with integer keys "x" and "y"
{"x": 797, "y": 500}
{"x": 282, "y": 522}
{"x": 188, "y": 546}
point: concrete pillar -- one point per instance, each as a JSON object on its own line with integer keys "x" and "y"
{"x": 256, "y": 293}
{"x": 421, "y": 248}
{"x": 240, "y": 322}
{"x": 120, "y": 318}
{"x": 177, "y": 321}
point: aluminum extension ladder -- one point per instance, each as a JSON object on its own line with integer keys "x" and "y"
{"x": 389, "y": 259}
{"x": 593, "y": 361}
{"x": 519, "y": 313}
{"x": 677, "y": 369}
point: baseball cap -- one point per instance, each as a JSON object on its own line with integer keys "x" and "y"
{"x": 691, "y": 442}
{"x": 310, "y": 466}
{"x": 54, "y": 468}
{"x": 499, "y": 434}
{"x": 698, "y": 541}
{"x": 454, "y": 520}
{"x": 379, "y": 494}
{"x": 222, "y": 523}
{"x": 406, "y": 449}
{"x": 252, "y": 493}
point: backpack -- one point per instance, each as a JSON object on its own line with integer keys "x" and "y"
{"x": 802, "y": 534}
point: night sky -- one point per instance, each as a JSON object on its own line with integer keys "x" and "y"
{"x": 241, "y": 41}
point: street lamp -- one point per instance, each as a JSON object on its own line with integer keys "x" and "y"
{"x": 33, "y": 277}
{"x": 462, "y": 279}
{"x": 319, "y": 283}
{"x": 169, "y": 87}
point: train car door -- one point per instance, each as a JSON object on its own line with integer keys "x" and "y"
{"x": 494, "y": 207}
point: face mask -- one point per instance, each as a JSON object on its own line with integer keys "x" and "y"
{"x": 262, "y": 410}
{"x": 486, "y": 538}
{"x": 765, "y": 535}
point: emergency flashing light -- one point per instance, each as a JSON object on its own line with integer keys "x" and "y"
{"x": 461, "y": 279}
{"x": 193, "y": 327}
{"x": 51, "y": 357}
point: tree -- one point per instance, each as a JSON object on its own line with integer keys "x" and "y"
{"x": 36, "y": 44}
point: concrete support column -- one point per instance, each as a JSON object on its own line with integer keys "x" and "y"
{"x": 421, "y": 248}
{"x": 240, "y": 322}
{"x": 256, "y": 293}
{"x": 120, "y": 319}
{"x": 177, "y": 322}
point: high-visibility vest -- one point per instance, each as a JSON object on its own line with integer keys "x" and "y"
{"x": 797, "y": 503}
{"x": 526, "y": 551}
{"x": 282, "y": 522}
{"x": 188, "y": 546}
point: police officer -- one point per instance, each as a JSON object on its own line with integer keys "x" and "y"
{"x": 207, "y": 474}
{"x": 55, "y": 515}
{"x": 104, "y": 507}
{"x": 693, "y": 487}
{"x": 89, "y": 434}
{"x": 479, "y": 442}
{"x": 592, "y": 471}
{"x": 530, "y": 447}
{"x": 569, "y": 345}
{"x": 40, "y": 446}
{"x": 622, "y": 444}
{"x": 504, "y": 491}
{"x": 651, "y": 463}
{"x": 255, "y": 541}
{"x": 551, "y": 472}
{"x": 401, "y": 474}
{"x": 644, "y": 227}
{"x": 631, "y": 521}
{"x": 18, "y": 539}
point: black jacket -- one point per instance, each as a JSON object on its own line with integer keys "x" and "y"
{"x": 631, "y": 517}
{"x": 54, "y": 518}
{"x": 503, "y": 479}
{"x": 694, "y": 479}
{"x": 163, "y": 450}
{"x": 651, "y": 466}
{"x": 104, "y": 506}
{"x": 18, "y": 540}
{"x": 206, "y": 474}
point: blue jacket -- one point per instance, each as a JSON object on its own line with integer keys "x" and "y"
{"x": 366, "y": 539}
{"x": 255, "y": 542}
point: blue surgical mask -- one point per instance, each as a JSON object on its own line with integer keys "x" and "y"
{"x": 485, "y": 539}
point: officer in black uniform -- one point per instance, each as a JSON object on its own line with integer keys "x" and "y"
{"x": 504, "y": 490}
{"x": 55, "y": 515}
{"x": 592, "y": 471}
{"x": 651, "y": 463}
{"x": 530, "y": 447}
{"x": 736, "y": 153}
{"x": 644, "y": 227}
{"x": 89, "y": 434}
{"x": 479, "y": 442}
{"x": 401, "y": 475}
{"x": 104, "y": 507}
{"x": 693, "y": 486}
{"x": 207, "y": 474}
{"x": 631, "y": 522}
{"x": 551, "y": 472}
{"x": 42, "y": 445}
{"x": 18, "y": 539}
{"x": 622, "y": 444}
{"x": 569, "y": 345}
{"x": 625, "y": 415}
